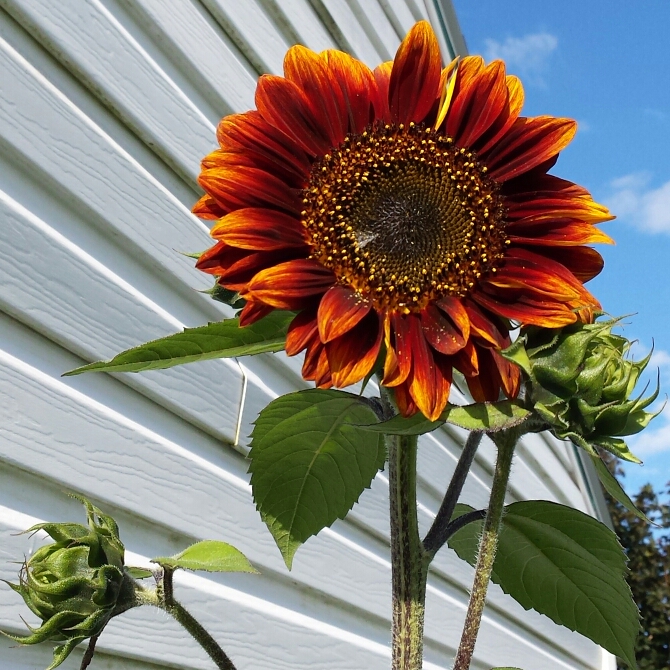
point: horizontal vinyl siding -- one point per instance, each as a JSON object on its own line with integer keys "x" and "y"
{"x": 106, "y": 108}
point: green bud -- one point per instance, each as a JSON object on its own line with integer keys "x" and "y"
{"x": 76, "y": 584}
{"x": 580, "y": 382}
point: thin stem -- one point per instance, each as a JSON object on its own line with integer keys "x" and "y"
{"x": 163, "y": 597}
{"x": 464, "y": 520}
{"x": 88, "y": 655}
{"x": 439, "y": 531}
{"x": 506, "y": 442}
{"x": 408, "y": 559}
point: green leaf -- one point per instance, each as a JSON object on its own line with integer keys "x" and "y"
{"x": 310, "y": 462}
{"x": 210, "y": 556}
{"x": 566, "y": 565}
{"x": 487, "y": 416}
{"x": 399, "y": 425}
{"x": 138, "y": 573}
{"x": 222, "y": 339}
{"x": 516, "y": 353}
{"x": 612, "y": 486}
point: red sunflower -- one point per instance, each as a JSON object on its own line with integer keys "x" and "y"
{"x": 407, "y": 211}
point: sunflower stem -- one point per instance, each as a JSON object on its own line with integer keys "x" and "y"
{"x": 440, "y": 531}
{"x": 163, "y": 598}
{"x": 506, "y": 441}
{"x": 409, "y": 561}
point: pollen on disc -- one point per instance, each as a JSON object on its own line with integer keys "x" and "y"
{"x": 404, "y": 217}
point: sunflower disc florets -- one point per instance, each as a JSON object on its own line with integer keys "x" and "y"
{"x": 75, "y": 584}
{"x": 580, "y": 382}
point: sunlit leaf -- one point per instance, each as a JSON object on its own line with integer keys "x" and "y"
{"x": 210, "y": 556}
{"x": 566, "y": 565}
{"x": 222, "y": 339}
{"x": 310, "y": 462}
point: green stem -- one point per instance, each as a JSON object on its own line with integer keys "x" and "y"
{"x": 409, "y": 562}
{"x": 488, "y": 545}
{"x": 163, "y": 597}
{"x": 440, "y": 531}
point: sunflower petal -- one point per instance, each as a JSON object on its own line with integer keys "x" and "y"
{"x": 291, "y": 285}
{"x": 455, "y": 310}
{"x": 284, "y": 105}
{"x": 259, "y": 228}
{"x": 340, "y": 310}
{"x": 250, "y": 133}
{"x": 545, "y": 313}
{"x": 415, "y": 78}
{"x": 304, "y": 330}
{"x": 358, "y": 86}
{"x": 479, "y": 105}
{"x": 323, "y": 95}
{"x": 585, "y": 263}
{"x": 447, "y": 86}
{"x": 440, "y": 332}
{"x": 483, "y": 329}
{"x": 382, "y": 74}
{"x": 208, "y": 208}
{"x": 528, "y": 144}
{"x": 238, "y": 187}
{"x": 253, "y": 311}
{"x": 399, "y": 353}
{"x": 351, "y": 356}
{"x": 428, "y": 386}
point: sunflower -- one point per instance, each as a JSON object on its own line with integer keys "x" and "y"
{"x": 405, "y": 214}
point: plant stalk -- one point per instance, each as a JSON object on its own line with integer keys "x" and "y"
{"x": 163, "y": 598}
{"x": 439, "y": 532}
{"x": 409, "y": 561}
{"x": 506, "y": 442}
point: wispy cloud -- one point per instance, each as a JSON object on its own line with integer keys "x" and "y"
{"x": 526, "y": 55}
{"x": 655, "y": 439}
{"x": 646, "y": 207}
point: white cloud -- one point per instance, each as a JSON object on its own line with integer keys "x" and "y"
{"x": 659, "y": 359}
{"x": 633, "y": 199}
{"x": 655, "y": 439}
{"x": 526, "y": 55}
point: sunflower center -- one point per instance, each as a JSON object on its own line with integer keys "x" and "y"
{"x": 404, "y": 217}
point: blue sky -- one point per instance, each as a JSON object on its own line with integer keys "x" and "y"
{"x": 605, "y": 65}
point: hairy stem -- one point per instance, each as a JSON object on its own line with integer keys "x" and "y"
{"x": 408, "y": 559}
{"x": 163, "y": 597}
{"x": 506, "y": 442}
{"x": 88, "y": 655}
{"x": 439, "y": 532}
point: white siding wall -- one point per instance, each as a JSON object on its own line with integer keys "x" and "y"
{"x": 106, "y": 108}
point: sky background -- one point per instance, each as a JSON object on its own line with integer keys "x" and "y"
{"x": 605, "y": 64}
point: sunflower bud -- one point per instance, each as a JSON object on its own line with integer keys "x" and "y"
{"x": 75, "y": 584}
{"x": 581, "y": 381}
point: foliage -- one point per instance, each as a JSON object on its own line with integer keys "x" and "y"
{"x": 648, "y": 550}
{"x": 564, "y": 564}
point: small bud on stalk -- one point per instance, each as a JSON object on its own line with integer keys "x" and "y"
{"x": 76, "y": 584}
{"x": 580, "y": 381}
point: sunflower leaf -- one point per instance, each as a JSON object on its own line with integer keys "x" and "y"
{"x": 399, "y": 425}
{"x": 612, "y": 486}
{"x": 487, "y": 416}
{"x": 566, "y": 565}
{"x": 221, "y": 339}
{"x": 210, "y": 556}
{"x": 310, "y": 462}
{"x": 138, "y": 573}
